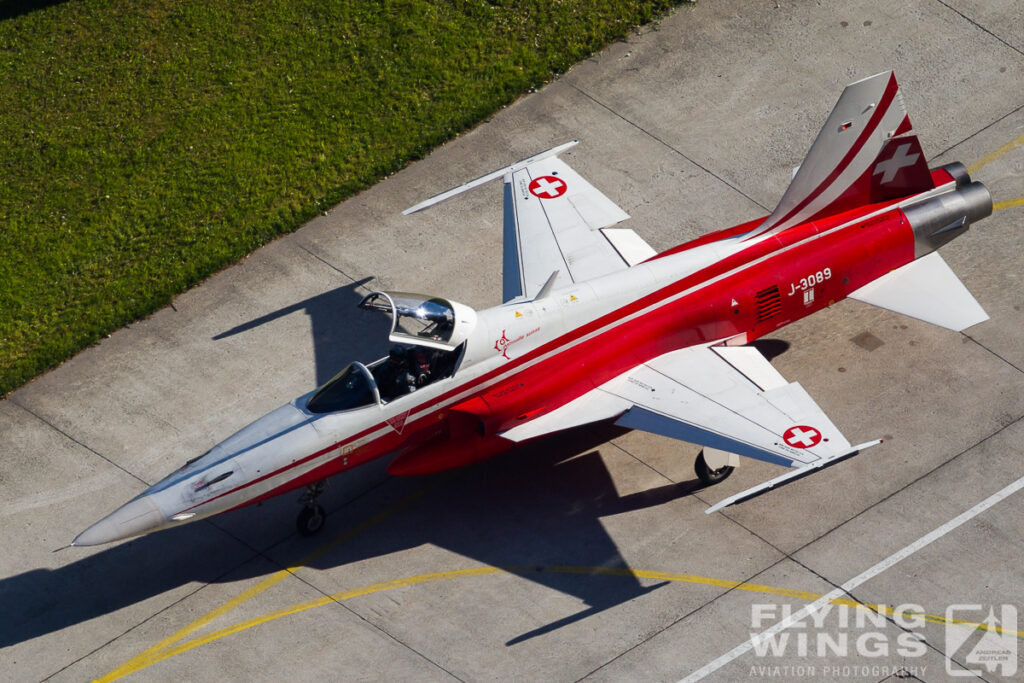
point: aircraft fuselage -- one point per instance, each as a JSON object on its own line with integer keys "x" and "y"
{"x": 524, "y": 359}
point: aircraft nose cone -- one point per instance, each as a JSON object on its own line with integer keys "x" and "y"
{"x": 131, "y": 519}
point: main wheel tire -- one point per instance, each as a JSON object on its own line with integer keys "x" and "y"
{"x": 708, "y": 475}
{"x": 311, "y": 520}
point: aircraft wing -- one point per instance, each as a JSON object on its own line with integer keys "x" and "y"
{"x": 557, "y": 221}
{"x": 557, "y": 227}
{"x": 727, "y": 398}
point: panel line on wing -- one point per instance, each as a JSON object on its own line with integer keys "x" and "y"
{"x": 721, "y": 405}
{"x": 551, "y": 229}
{"x": 673, "y": 427}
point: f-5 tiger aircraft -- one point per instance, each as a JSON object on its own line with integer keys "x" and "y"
{"x": 595, "y": 325}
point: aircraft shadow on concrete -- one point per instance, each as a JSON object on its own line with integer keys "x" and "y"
{"x": 771, "y": 348}
{"x": 535, "y": 507}
{"x": 342, "y": 332}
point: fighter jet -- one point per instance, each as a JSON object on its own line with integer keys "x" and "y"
{"x": 597, "y": 326}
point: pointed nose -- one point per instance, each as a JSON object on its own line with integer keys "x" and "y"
{"x": 131, "y": 519}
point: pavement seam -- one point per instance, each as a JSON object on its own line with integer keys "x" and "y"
{"x": 149, "y": 618}
{"x": 979, "y": 131}
{"x": 1020, "y": 370}
{"x": 294, "y": 573}
{"x": 892, "y": 620}
{"x": 698, "y": 607}
{"x": 645, "y": 464}
{"x": 911, "y": 483}
{"x": 379, "y": 628}
{"x": 668, "y": 146}
{"x": 74, "y": 440}
{"x": 980, "y": 27}
{"x": 790, "y": 555}
{"x": 846, "y": 588}
{"x": 683, "y": 617}
{"x": 256, "y": 553}
{"x": 324, "y": 261}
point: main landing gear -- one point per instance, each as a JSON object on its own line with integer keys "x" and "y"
{"x": 707, "y": 475}
{"x": 312, "y": 518}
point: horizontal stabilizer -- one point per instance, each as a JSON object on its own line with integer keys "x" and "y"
{"x": 788, "y": 478}
{"x": 926, "y": 289}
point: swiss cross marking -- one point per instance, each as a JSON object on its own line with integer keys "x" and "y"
{"x": 890, "y": 167}
{"x": 802, "y": 436}
{"x": 548, "y": 187}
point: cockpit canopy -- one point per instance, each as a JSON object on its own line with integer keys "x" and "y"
{"x": 423, "y": 321}
{"x": 353, "y": 387}
{"x": 416, "y": 321}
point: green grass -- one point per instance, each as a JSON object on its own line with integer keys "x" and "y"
{"x": 145, "y": 144}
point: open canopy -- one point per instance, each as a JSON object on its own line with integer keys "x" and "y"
{"x": 423, "y": 320}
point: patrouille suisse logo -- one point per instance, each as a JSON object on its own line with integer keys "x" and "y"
{"x": 501, "y": 346}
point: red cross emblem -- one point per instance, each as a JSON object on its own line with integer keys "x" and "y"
{"x": 548, "y": 187}
{"x": 802, "y": 436}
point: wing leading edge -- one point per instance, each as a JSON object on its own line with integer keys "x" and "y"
{"x": 726, "y": 398}
{"x": 556, "y": 225}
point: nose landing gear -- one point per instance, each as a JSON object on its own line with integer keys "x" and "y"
{"x": 313, "y": 516}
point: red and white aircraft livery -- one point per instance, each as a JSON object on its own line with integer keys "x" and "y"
{"x": 596, "y": 325}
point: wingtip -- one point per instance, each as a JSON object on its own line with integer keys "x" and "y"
{"x": 438, "y": 198}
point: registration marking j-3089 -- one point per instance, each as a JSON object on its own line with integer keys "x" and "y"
{"x": 808, "y": 282}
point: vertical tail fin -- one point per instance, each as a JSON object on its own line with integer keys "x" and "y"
{"x": 861, "y": 156}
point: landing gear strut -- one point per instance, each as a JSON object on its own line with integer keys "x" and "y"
{"x": 312, "y": 518}
{"x": 707, "y": 475}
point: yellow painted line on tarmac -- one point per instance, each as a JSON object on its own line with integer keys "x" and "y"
{"x": 154, "y": 653}
{"x": 172, "y": 648}
{"x": 1008, "y": 204}
{"x": 992, "y": 156}
{"x": 303, "y": 606}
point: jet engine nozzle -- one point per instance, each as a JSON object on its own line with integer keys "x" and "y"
{"x": 958, "y": 171}
{"x": 940, "y": 219}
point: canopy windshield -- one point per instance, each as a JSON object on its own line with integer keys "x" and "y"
{"x": 421, "y": 320}
{"x": 353, "y": 387}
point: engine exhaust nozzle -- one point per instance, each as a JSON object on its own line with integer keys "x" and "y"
{"x": 940, "y": 219}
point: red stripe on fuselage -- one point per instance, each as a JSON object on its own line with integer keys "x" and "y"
{"x": 689, "y": 320}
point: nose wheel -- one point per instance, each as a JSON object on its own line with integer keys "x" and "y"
{"x": 313, "y": 516}
{"x": 311, "y": 520}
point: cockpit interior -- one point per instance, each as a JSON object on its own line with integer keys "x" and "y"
{"x": 425, "y": 348}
